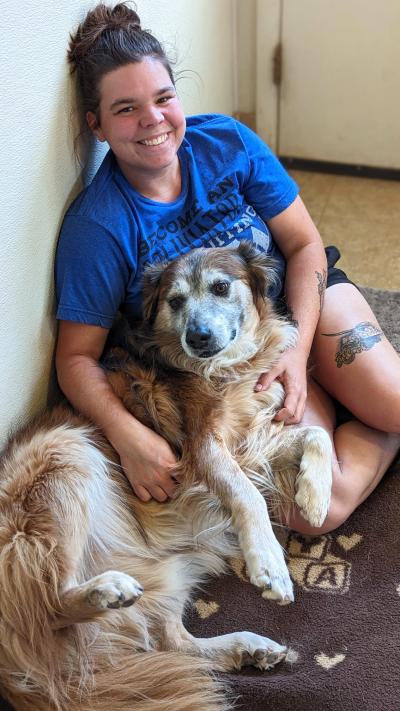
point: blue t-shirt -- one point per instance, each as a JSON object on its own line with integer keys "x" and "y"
{"x": 231, "y": 185}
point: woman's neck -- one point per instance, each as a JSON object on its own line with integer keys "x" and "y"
{"x": 163, "y": 185}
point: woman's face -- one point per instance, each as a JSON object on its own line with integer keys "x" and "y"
{"x": 141, "y": 118}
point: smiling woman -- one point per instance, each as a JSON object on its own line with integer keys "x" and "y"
{"x": 167, "y": 186}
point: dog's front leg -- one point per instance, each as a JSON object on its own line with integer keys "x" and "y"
{"x": 314, "y": 480}
{"x": 263, "y": 554}
{"x": 311, "y": 449}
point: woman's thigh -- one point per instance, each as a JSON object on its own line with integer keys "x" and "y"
{"x": 354, "y": 362}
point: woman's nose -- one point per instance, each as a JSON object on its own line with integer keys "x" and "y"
{"x": 151, "y": 116}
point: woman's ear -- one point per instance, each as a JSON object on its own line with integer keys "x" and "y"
{"x": 94, "y": 126}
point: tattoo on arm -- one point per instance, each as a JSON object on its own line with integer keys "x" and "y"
{"x": 321, "y": 287}
{"x": 362, "y": 337}
{"x": 291, "y": 318}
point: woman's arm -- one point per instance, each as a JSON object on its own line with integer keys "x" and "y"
{"x": 300, "y": 243}
{"x": 146, "y": 457}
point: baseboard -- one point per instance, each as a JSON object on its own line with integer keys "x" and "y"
{"x": 320, "y": 166}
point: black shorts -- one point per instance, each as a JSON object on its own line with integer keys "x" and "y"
{"x": 335, "y": 275}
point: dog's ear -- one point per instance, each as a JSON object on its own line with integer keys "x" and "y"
{"x": 151, "y": 291}
{"x": 260, "y": 269}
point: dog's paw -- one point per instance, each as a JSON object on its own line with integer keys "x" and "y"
{"x": 313, "y": 497}
{"x": 261, "y": 652}
{"x": 113, "y": 590}
{"x": 270, "y": 574}
{"x": 278, "y": 588}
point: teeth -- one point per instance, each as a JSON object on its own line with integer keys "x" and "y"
{"x": 155, "y": 141}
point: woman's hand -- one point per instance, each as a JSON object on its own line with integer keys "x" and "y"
{"x": 149, "y": 464}
{"x": 291, "y": 371}
{"x": 146, "y": 458}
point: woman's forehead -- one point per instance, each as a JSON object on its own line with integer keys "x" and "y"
{"x": 134, "y": 80}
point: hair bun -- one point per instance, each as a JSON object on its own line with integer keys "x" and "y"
{"x": 109, "y": 37}
{"x": 123, "y": 16}
{"x": 101, "y": 19}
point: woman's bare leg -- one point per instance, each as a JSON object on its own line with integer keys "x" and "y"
{"x": 354, "y": 362}
{"x": 361, "y": 456}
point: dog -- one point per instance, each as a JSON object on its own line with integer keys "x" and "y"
{"x": 93, "y": 581}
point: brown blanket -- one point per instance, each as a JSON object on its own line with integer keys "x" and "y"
{"x": 345, "y": 621}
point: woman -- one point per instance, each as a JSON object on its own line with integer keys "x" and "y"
{"x": 166, "y": 187}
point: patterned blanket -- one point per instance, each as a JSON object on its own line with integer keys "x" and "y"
{"x": 345, "y": 621}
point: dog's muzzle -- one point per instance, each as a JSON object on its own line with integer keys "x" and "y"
{"x": 203, "y": 342}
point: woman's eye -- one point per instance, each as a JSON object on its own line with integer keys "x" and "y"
{"x": 176, "y": 302}
{"x": 125, "y": 110}
{"x": 220, "y": 288}
{"x": 164, "y": 99}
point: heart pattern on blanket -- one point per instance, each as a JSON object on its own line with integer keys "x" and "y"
{"x": 348, "y": 542}
{"x": 239, "y": 568}
{"x": 327, "y": 662}
{"x": 205, "y": 609}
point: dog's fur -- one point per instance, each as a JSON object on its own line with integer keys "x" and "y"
{"x": 76, "y": 546}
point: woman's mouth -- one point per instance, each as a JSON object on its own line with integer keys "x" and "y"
{"x": 156, "y": 141}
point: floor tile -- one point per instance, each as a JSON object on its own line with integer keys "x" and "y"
{"x": 361, "y": 216}
{"x": 315, "y": 191}
{"x": 370, "y": 255}
{"x": 376, "y": 200}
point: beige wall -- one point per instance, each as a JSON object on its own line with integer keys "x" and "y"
{"x": 246, "y": 50}
{"x": 38, "y": 174}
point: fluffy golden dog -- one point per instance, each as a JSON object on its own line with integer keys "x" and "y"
{"x": 78, "y": 549}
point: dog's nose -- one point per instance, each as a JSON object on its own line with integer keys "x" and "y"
{"x": 198, "y": 336}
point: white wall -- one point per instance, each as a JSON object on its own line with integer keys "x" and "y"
{"x": 38, "y": 175}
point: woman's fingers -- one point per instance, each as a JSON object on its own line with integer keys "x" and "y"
{"x": 265, "y": 379}
{"x": 159, "y": 493}
{"x": 293, "y": 407}
{"x": 141, "y": 492}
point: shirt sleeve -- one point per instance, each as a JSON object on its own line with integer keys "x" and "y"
{"x": 267, "y": 187}
{"x": 91, "y": 273}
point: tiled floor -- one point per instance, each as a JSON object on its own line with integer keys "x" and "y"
{"x": 361, "y": 216}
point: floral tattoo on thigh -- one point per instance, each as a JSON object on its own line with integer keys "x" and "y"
{"x": 362, "y": 337}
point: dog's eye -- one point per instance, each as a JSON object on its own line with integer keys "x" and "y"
{"x": 220, "y": 288}
{"x": 176, "y": 302}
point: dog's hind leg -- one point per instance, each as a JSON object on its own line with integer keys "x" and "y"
{"x": 227, "y": 651}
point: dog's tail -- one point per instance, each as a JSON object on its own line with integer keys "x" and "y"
{"x": 29, "y": 581}
{"x": 156, "y": 681}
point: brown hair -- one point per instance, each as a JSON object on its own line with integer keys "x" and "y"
{"x": 109, "y": 38}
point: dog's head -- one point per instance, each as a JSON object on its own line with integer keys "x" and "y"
{"x": 209, "y": 299}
